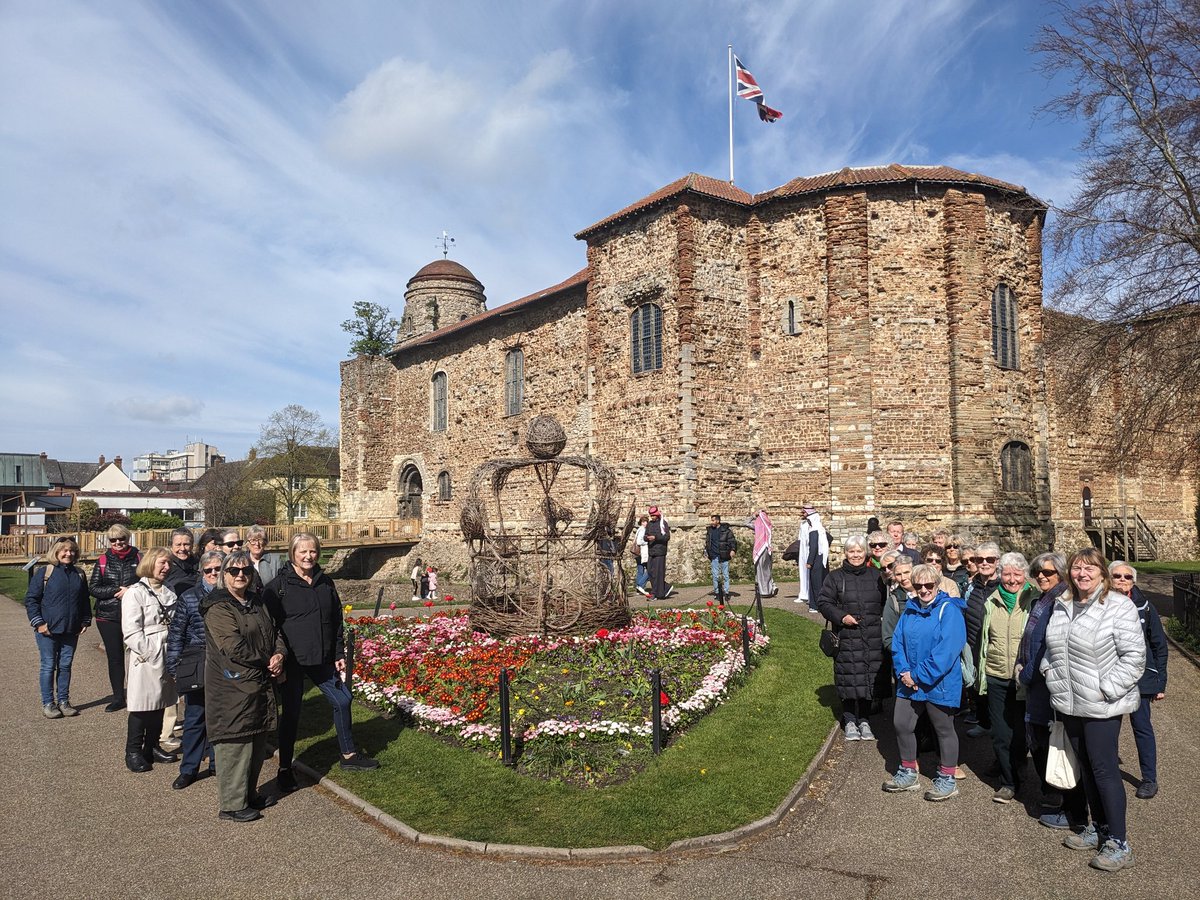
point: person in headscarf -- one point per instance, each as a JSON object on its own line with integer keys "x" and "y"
{"x": 658, "y": 534}
{"x": 763, "y": 579}
{"x": 813, "y": 560}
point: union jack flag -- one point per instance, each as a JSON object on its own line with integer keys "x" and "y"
{"x": 748, "y": 89}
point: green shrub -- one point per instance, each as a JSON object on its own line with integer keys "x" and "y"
{"x": 154, "y": 520}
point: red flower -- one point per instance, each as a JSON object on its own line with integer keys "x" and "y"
{"x": 602, "y": 633}
{"x": 449, "y": 598}
{"x": 429, "y": 603}
{"x": 663, "y": 699}
{"x": 710, "y": 603}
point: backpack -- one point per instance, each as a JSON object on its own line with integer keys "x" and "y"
{"x": 103, "y": 561}
{"x": 966, "y": 659}
{"x": 48, "y": 569}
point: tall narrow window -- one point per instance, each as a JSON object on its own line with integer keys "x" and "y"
{"x": 443, "y": 485}
{"x": 439, "y": 401}
{"x": 514, "y": 382}
{"x": 645, "y": 326}
{"x": 1004, "y": 327}
{"x": 789, "y": 319}
{"x": 1016, "y": 468}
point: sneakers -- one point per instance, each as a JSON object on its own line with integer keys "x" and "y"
{"x": 358, "y": 762}
{"x": 944, "y": 787}
{"x": 65, "y": 707}
{"x": 1056, "y": 820}
{"x": 905, "y": 779}
{"x": 852, "y": 732}
{"x": 959, "y": 774}
{"x": 50, "y": 711}
{"x": 970, "y": 718}
{"x": 1087, "y": 839}
{"x": 977, "y": 731}
{"x": 864, "y": 732}
{"x": 1146, "y": 790}
{"x": 1113, "y": 856}
{"x": 642, "y": 591}
{"x": 1004, "y": 795}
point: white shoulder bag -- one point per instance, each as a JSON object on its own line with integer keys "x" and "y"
{"x": 1062, "y": 765}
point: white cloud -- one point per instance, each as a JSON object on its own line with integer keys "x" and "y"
{"x": 171, "y": 408}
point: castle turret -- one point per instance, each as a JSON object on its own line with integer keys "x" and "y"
{"x": 442, "y": 293}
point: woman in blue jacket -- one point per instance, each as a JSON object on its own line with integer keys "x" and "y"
{"x": 926, "y": 651}
{"x": 59, "y": 611}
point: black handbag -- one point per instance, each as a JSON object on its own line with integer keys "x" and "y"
{"x": 189, "y": 670}
{"x": 829, "y": 641}
{"x": 792, "y": 553}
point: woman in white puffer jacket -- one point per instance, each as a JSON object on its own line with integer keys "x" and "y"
{"x": 1095, "y": 654}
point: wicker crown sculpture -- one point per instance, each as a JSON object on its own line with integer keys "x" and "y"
{"x": 537, "y": 564}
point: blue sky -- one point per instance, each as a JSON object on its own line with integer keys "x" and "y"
{"x": 195, "y": 194}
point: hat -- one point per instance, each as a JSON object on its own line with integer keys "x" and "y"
{"x": 654, "y": 511}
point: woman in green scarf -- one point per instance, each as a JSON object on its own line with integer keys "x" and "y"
{"x": 1004, "y": 615}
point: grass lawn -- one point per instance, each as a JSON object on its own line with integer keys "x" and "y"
{"x": 729, "y": 769}
{"x": 14, "y": 581}
{"x": 1162, "y": 567}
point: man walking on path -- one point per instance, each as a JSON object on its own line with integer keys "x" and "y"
{"x": 813, "y": 560}
{"x": 719, "y": 546}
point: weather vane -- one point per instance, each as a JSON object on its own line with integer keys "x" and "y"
{"x": 444, "y": 242}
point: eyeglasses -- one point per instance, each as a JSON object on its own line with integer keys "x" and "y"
{"x": 1046, "y": 573}
{"x": 240, "y": 570}
{"x": 1117, "y": 577}
{"x": 256, "y": 541}
{"x": 877, "y": 546}
{"x": 924, "y": 587}
{"x": 985, "y": 559}
{"x": 231, "y": 544}
{"x": 212, "y": 570}
{"x": 118, "y": 540}
{"x": 933, "y": 559}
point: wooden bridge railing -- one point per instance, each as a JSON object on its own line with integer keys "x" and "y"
{"x": 19, "y": 548}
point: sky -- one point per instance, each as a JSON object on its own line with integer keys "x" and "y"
{"x": 195, "y": 193}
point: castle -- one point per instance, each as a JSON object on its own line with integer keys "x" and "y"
{"x": 868, "y": 340}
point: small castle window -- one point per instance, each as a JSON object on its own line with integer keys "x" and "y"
{"x": 439, "y": 401}
{"x": 645, "y": 326}
{"x": 443, "y": 485}
{"x": 1016, "y": 468}
{"x": 791, "y": 324}
{"x": 514, "y": 382}
{"x": 1004, "y": 327}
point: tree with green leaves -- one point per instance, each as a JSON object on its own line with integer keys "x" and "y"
{"x": 373, "y": 327}
{"x": 297, "y": 459}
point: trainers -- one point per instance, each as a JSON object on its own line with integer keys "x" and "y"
{"x": 944, "y": 787}
{"x": 905, "y": 779}
{"x": 970, "y": 719}
{"x": 357, "y": 761}
{"x": 1004, "y": 795}
{"x": 852, "y": 732}
{"x": 1146, "y": 790}
{"x": 1113, "y": 856}
{"x": 1082, "y": 840}
{"x": 1056, "y": 820}
{"x": 65, "y": 707}
{"x": 959, "y": 773}
{"x": 977, "y": 731}
{"x": 50, "y": 711}
{"x": 864, "y": 732}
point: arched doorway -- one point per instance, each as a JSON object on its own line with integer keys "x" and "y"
{"x": 411, "y": 488}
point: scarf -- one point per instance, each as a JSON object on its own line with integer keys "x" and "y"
{"x": 762, "y": 534}
{"x": 1010, "y": 599}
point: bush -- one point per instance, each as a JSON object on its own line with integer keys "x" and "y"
{"x": 153, "y": 520}
{"x": 103, "y": 521}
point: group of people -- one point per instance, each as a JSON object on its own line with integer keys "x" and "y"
{"x": 950, "y": 628}
{"x": 229, "y": 629}
{"x": 424, "y": 581}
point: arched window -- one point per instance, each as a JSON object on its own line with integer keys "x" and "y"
{"x": 514, "y": 382}
{"x": 1004, "y": 327}
{"x": 645, "y": 326}
{"x": 1016, "y": 468}
{"x": 443, "y": 485}
{"x": 409, "y": 502}
{"x": 790, "y": 323}
{"x": 439, "y": 401}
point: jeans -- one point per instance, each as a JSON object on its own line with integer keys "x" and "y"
{"x": 114, "y": 649}
{"x": 1008, "y": 729}
{"x": 329, "y": 682}
{"x": 1095, "y": 744}
{"x": 196, "y": 745}
{"x": 1143, "y": 735}
{"x": 720, "y": 570}
{"x": 57, "y": 651}
{"x": 643, "y": 575}
{"x": 855, "y": 710}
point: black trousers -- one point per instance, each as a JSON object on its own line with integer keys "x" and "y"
{"x": 144, "y": 729}
{"x": 114, "y": 649}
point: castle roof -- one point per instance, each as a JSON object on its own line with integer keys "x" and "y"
{"x": 508, "y": 309}
{"x": 846, "y": 178}
{"x": 443, "y": 270}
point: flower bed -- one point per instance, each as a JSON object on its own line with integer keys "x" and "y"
{"x": 580, "y": 705}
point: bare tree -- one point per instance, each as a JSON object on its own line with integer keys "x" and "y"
{"x": 1128, "y": 243}
{"x": 230, "y": 496}
{"x": 297, "y": 454}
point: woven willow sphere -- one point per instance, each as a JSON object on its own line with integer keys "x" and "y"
{"x": 545, "y": 437}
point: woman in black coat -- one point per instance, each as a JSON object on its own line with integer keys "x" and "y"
{"x": 115, "y": 571}
{"x": 305, "y": 606}
{"x": 852, "y": 600}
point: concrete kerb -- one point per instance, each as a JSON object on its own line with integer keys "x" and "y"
{"x": 723, "y": 839}
{"x": 1183, "y": 651}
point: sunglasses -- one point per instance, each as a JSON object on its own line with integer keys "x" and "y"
{"x": 240, "y": 570}
{"x": 921, "y": 586}
{"x": 118, "y": 540}
{"x": 1046, "y": 573}
{"x": 953, "y": 546}
{"x": 232, "y": 544}
{"x": 1122, "y": 578}
{"x": 985, "y": 559}
{"x": 877, "y": 546}
{"x": 933, "y": 559}
{"x": 212, "y": 570}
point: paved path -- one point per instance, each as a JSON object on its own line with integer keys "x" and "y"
{"x": 77, "y": 824}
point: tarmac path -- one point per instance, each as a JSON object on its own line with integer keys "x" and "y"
{"x": 77, "y": 824}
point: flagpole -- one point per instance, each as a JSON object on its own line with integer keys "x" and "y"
{"x": 731, "y": 113}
